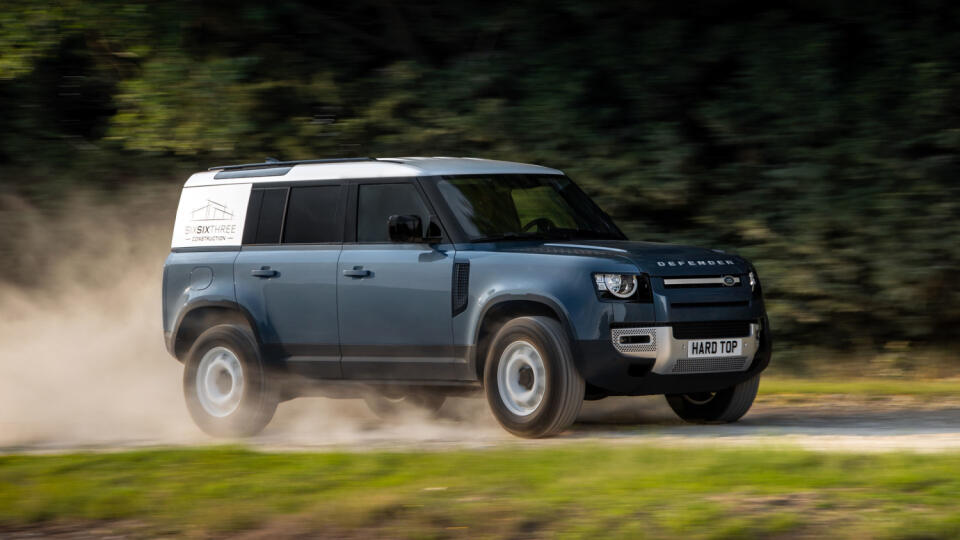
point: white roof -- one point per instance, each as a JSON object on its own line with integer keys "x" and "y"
{"x": 381, "y": 168}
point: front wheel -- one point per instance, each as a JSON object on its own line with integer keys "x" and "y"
{"x": 226, "y": 385}
{"x": 531, "y": 384}
{"x": 723, "y": 406}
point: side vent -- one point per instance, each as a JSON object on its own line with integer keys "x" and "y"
{"x": 461, "y": 286}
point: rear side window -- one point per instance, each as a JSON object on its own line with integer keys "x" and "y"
{"x": 377, "y": 202}
{"x": 313, "y": 215}
{"x": 265, "y": 216}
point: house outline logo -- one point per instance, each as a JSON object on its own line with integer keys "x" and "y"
{"x": 212, "y": 211}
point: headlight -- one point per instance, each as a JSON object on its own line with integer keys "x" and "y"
{"x": 619, "y": 285}
{"x": 753, "y": 281}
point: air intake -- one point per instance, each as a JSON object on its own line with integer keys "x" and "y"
{"x": 461, "y": 286}
{"x": 710, "y": 365}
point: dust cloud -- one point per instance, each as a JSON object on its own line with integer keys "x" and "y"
{"x": 82, "y": 360}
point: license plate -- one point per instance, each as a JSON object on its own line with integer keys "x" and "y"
{"x": 700, "y": 348}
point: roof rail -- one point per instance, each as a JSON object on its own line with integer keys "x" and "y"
{"x": 274, "y": 163}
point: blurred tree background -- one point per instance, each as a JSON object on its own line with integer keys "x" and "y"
{"x": 821, "y": 140}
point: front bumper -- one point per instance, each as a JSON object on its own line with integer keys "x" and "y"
{"x": 670, "y": 354}
{"x": 608, "y": 371}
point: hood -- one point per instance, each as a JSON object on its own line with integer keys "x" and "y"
{"x": 658, "y": 259}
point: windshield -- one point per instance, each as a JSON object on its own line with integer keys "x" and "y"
{"x": 522, "y": 206}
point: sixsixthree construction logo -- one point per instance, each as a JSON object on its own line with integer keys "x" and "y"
{"x": 204, "y": 226}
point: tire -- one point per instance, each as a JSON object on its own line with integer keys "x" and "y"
{"x": 724, "y": 406}
{"x": 512, "y": 376}
{"x": 387, "y": 407}
{"x": 234, "y": 396}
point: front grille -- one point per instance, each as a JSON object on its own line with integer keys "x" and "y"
{"x": 694, "y": 282}
{"x": 710, "y": 365}
{"x": 624, "y": 345}
{"x": 711, "y": 329}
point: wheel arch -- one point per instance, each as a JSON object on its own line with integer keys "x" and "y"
{"x": 504, "y": 308}
{"x": 202, "y": 315}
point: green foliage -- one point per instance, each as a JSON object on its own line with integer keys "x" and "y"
{"x": 183, "y": 106}
{"x": 823, "y": 142}
{"x": 931, "y": 389}
{"x": 27, "y": 30}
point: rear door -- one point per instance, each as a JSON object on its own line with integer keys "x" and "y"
{"x": 286, "y": 273}
{"x": 394, "y": 298}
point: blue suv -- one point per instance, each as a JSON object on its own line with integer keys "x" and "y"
{"x": 407, "y": 280}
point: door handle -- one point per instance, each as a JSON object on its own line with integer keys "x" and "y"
{"x": 357, "y": 272}
{"x": 263, "y": 272}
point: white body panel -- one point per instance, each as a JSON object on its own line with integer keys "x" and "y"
{"x": 380, "y": 168}
{"x": 211, "y": 216}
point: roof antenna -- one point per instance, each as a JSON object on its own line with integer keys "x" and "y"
{"x": 269, "y": 159}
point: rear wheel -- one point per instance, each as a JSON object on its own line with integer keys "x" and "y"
{"x": 225, "y": 383}
{"x": 530, "y": 381}
{"x": 723, "y": 406}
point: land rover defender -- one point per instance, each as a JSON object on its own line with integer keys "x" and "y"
{"x": 407, "y": 280}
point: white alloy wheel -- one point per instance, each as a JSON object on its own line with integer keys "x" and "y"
{"x": 219, "y": 382}
{"x": 521, "y": 378}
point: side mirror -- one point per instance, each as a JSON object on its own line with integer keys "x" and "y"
{"x": 405, "y": 229}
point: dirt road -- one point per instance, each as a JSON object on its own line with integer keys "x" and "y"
{"x": 827, "y": 423}
{"x": 838, "y": 423}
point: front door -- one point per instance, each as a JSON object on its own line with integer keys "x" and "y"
{"x": 394, "y": 298}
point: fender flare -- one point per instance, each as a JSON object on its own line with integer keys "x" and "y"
{"x": 546, "y": 301}
{"x": 171, "y": 338}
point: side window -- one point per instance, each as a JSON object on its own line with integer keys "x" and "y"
{"x": 253, "y": 217}
{"x": 313, "y": 215}
{"x": 265, "y": 216}
{"x": 377, "y": 202}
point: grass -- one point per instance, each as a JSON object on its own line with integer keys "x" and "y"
{"x": 563, "y": 491}
{"x": 906, "y": 386}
